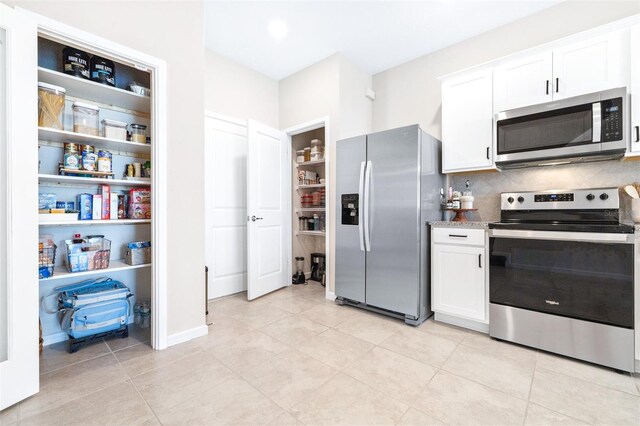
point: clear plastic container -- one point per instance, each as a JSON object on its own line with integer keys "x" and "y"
{"x": 113, "y": 129}
{"x": 317, "y": 150}
{"x": 50, "y": 105}
{"x": 138, "y": 133}
{"x": 85, "y": 118}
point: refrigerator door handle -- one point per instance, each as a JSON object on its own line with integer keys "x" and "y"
{"x": 360, "y": 205}
{"x": 367, "y": 194}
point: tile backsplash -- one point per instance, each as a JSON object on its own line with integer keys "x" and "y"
{"x": 486, "y": 187}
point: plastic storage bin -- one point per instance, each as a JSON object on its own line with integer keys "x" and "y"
{"x": 113, "y": 129}
{"x": 92, "y": 254}
{"x": 50, "y": 105}
{"x": 85, "y": 118}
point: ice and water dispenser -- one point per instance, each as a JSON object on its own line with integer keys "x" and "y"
{"x": 350, "y": 211}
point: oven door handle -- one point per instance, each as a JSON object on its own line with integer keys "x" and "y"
{"x": 588, "y": 237}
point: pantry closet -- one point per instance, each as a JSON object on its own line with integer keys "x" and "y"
{"x": 309, "y": 196}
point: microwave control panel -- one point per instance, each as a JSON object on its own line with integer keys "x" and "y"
{"x": 611, "y": 120}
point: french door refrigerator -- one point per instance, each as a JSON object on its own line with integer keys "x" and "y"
{"x": 388, "y": 189}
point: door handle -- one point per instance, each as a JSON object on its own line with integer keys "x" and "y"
{"x": 360, "y": 207}
{"x": 557, "y": 84}
{"x": 480, "y": 261}
{"x": 547, "y": 87}
{"x": 487, "y": 153}
{"x": 637, "y": 133}
{"x": 367, "y": 220}
{"x": 458, "y": 235}
{"x": 254, "y": 218}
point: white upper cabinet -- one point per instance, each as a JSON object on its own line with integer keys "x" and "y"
{"x": 635, "y": 90}
{"x": 523, "y": 82}
{"x": 588, "y": 66}
{"x": 592, "y": 65}
{"x": 467, "y": 122}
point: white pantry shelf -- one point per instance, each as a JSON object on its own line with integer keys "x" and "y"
{"x": 97, "y": 222}
{"x": 311, "y": 209}
{"x": 60, "y": 272}
{"x": 83, "y": 181}
{"x": 62, "y": 136}
{"x": 315, "y": 185}
{"x": 312, "y": 233}
{"x": 311, "y": 163}
{"x": 92, "y": 91}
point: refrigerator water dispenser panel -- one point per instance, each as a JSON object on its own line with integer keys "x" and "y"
{"x": 350, "y": 209}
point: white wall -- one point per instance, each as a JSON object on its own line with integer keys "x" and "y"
{"x": 172, "y": 31}
{"x": 410, "y": 93}
{"x": 236, "y": 91}
{"x": 335, "y": 88}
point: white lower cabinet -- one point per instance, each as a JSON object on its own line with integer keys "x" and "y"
{"x": 459, "y": 277}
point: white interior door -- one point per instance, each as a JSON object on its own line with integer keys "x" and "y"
{"x": 226, "y": 204}
{"x": 268, "y": 209}
{"x": 19, "y": 370}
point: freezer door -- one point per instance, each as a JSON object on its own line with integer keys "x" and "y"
{"x": 350, "y": 257}
{"x": 393, "y": 230}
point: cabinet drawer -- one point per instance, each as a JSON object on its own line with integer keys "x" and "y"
{"x": 455, "y": 235}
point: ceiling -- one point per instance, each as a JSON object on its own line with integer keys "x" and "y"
{"x": 375, "y": 35}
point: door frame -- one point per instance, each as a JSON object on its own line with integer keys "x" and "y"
{"x": 158, "y": 67}
{"x": 291, "y": 132}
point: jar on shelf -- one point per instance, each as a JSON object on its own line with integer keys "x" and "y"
{"x": 317, "y": 150}
{"x": 85, "y": 118}
{"x": 71, "y": 156}
{"x": 50, "y": 105}
{"x": 300, "y": 156}
{"x": 307, "y": 154}
{"x": 138, "y": 133}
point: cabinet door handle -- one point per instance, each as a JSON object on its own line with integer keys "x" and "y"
{"x": 457, "y": 235}
{"x": 637, "y": 133}
{"x": 479, "y": 261}
{"x": 547, "y": 87}
{"x": 487, "y": 153}
{"x": 557, "y": 84}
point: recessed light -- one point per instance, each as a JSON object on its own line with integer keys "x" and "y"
{"x": 278, "y": 29}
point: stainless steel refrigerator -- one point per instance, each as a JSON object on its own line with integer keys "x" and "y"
{"x": 388, "y": 189}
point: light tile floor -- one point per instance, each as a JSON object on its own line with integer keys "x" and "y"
{"x": 293, "y": 357}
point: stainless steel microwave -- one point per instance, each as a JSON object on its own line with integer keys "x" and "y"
{"x": 583, "y": 128}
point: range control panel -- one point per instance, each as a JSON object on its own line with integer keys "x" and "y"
{"x": 350, "y": 214}
{"x": 574, "y": 199}
{"x": 552, "y": 198}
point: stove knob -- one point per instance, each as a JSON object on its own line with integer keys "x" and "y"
{"x": 591, "y": 197}
{"x": 510, "y": 200}
{"x": 604, "y": 196}
{"x": 521, "y": 199}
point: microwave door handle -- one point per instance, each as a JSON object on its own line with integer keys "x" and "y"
{"x": 596, "y": 112}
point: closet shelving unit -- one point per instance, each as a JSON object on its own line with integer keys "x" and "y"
{"x": 115, "y": 103}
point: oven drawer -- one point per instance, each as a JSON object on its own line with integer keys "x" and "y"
{"x": 454, "y": 235}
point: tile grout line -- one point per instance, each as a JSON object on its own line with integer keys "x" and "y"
{"x": 155, "y": 415}
{"x": 533, "y": 375}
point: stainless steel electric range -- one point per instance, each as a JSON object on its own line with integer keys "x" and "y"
{"x": 561, "y": 275}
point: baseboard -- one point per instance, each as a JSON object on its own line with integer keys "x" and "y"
{"x": 61, "y": 336}
{"x": 185, "y": 336}
{"x": 462, "y": 322}
{"x": 331, "y": 295}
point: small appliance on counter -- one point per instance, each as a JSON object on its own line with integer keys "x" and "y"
{"x": 299, "y": 277}
{"x": 561, "y": 275}
{"x": 318, "y": 262}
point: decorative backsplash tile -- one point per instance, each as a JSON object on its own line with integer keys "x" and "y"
{"x": 486, "y": 187}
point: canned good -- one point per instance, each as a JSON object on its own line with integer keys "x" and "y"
{"x": 104, "y": 161}
{"x": 89, "y": 158}
{"x": 71, "y": 157}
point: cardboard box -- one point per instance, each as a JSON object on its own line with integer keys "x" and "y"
{"x": 85, "y": 206}
{"x": 140, "y": 196}
{"x": 105, "y": 192}
{"x": 113, "y": 211}
{"x": 139, "y": 211}
{"x": 46, "y": 201}
{"x": 97, "y": 207}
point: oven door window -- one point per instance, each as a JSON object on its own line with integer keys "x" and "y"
{"x": 551, "y": 129}
{"x": 588, "y": 281}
